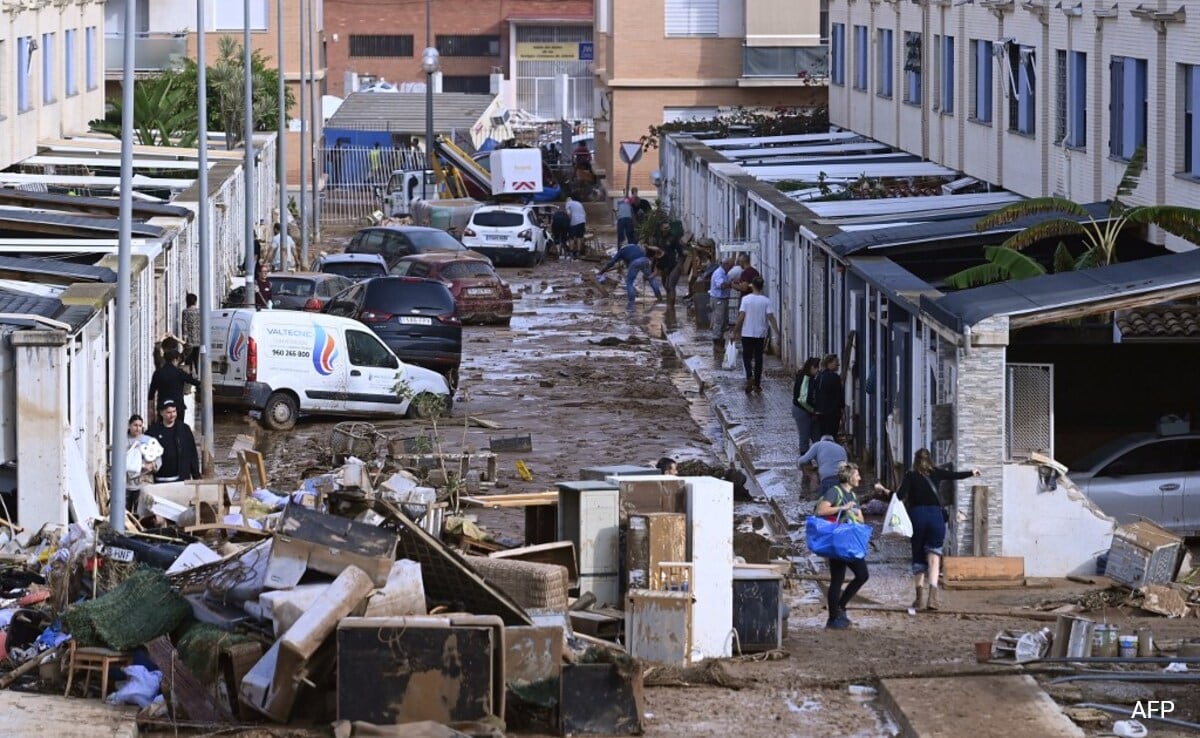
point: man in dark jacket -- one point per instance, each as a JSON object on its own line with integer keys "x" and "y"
{"x": 168, "y": 381}
{"x": 179, "y": 460}
{"x": 828, "y": 398}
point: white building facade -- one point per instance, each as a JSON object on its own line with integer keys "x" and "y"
{"x": 1037, "y": 96}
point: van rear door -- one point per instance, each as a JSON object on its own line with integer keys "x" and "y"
{"x": 230, "y": 338}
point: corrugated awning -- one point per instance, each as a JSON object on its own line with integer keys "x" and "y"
{"x": 41, "y": 221}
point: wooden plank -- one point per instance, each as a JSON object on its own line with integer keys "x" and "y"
{"x": 983, "y": 707}
{"x": 482, "y": 423}
{"x": 523, "y": 499}
{"x": 960, "y": 568}
{"x": 983, "y": 583}
{"x": 979, "y": 519}
{"x": 180, "y": 686}
{"x": 31, "y": 714}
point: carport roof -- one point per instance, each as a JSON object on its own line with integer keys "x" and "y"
{"x": 13, "y": 304}
{"x": 57, "y": 267}
{"x": 1054, "y": 297}
{"x": 853, "y": 241}
{"x": 63, "y": 224}
{"x": 404, "y": 112}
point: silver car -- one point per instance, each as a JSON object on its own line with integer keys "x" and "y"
{"x": 1146, "y": 476}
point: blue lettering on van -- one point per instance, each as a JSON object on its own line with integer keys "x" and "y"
{"x": 294, "y": 332}
{"x": 237, "y": 343}
{"x": 325, "y": 352}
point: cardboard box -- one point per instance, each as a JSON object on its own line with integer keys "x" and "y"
{"x": 308, "y": 539}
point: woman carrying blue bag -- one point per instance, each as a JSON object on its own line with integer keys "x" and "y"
{"x": 844, "y": 544}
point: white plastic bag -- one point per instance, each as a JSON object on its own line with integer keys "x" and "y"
{"x": 140, "y": 689}
{"x": 730, "y": 360}
{"x": 896, "y": 521}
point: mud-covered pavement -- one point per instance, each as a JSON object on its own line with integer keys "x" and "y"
{"x": 596, "y": 385}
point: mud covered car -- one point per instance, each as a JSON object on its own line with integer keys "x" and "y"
{"x": 480, "y": 295}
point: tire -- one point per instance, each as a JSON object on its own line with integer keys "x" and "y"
{"x": 531, "y": 260}
{"x": 418, "y": 408}
{"x": 281, "y": 412}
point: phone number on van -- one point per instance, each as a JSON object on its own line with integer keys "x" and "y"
{"x": 291, "y": 353}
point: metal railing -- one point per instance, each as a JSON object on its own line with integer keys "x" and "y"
{"x": 152, "y": 52}
{"x": 357, "y": 176}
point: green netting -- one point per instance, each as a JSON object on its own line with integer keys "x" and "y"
{"x": 140, "y": 609}
{"x": 200, "y": 646}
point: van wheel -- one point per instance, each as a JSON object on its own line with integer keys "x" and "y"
{"x": 281, "y": 412}
{"x": 425, "y": 406}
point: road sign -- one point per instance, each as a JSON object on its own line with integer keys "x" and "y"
{"x": 587, "y": 51}
{"x": 631, "y": 152}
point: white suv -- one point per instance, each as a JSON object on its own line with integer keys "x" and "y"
{"x": 508, "y": 234}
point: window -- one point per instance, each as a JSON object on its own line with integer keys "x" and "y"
{"x": 1022, "y": 79}
{"x": 887, "y": 63}
{"x": 477, "y": 85}
{"x": 784, "y": 61}
{"x": 823, "y": 21}
{"x": 47, "y": 68}
{"x": 366, "y": 350}
{"x": 912, "y": 68}
{"x": 1191, "y": 119}
{"x": 1070, "y": 120}
{"x": 1127, "y": 108}
{"x": 89, "y": 53}
{"x": 860, "y": 58}
{"x": 837, "y": 54}
{"x": 693, "y": 17}
{"x": 468, "y": 45}
{"x": 981, "y": 81}
{"x": 229, "y": 16}
{"x": 69, "y": 84}
{"x": 1161, "y": 457}
{"x": 948, "y": 75}
{"x": 380, "y": 46}
{"x": 24, "y": 54}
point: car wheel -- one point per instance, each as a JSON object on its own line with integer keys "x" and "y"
{"x": 281, "y": 411}
{"x": 531, "y": 260}
{"x": 425, "y": 406}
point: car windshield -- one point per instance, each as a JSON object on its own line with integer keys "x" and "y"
{"x": 497, "y": 218}
{"x": 290, "y": 287}
{"x": 354, "y": 269}
{"x": 398, "y": 296}
{"x": 466, "y": 270}
{"x": 434, "y": 240}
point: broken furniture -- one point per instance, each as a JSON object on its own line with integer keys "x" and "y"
{"x": 541, "y": 515}
{"x": 1143, "y": 553}
{"x": 658, "y": 626}
{"x": 602, "y": 473}
{"x": 600, "y": 699}
{"x": 408, "y": 669}
{"x": 983, "y": 572}
{"x": 190, "y": 502}
{"x": 652, "y": 538}
{"x": 464, "y": 461}
{"x": 532, "y": 585}
{"x": 89, "y": 660}
{"x": 512, "y": 444}
{"x": 561, "y": 553}
{"x": 308, "y": 539}
{"x": 758, "y": 609}
{"x": 589, "y": 515}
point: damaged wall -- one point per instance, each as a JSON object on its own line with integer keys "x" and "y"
{"x": 1058, "y": 532}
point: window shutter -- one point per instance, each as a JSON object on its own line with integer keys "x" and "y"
{"x": 693, "y": 17}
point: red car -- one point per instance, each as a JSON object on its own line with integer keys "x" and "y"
{"x": 480, "y": 295}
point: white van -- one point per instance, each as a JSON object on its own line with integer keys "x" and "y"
{"x": 284, "y": 363}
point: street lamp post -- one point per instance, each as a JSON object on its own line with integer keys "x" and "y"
{"x": 429, "y": 65}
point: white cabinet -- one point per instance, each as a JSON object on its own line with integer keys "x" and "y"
{"x": 589, "y": 514}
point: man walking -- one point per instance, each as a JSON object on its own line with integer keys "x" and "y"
{"x": 718, "y": 303}
{"x": 625, "y": 231}
{"x": 578, "y": 224}
{"x": 167, "y": 382}
{"x": 829, "y": 397}
{"x": 636, "y": 262}
{"x": 755, "y": 315}
{"x": 179, "y": 460}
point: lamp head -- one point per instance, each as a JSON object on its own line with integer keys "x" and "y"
{"x": 429, "y": 60}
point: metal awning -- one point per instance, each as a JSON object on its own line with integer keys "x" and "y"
{"x": 61, "y": 224}
{"x": 1054, "y": 297}
{"x": 933, "y": 231}
{"x": 76, "y": 180}
{"x": 109, "y": 162}
{"x": 912, "y": 206}
{"x": 57, "y": 267}
{"x": 801, "y": 151}
{"x": 767, "y": 141}
{"x": 92, "y": 205}
{"x": 848, "y": 172}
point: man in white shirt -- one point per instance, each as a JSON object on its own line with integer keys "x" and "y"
{"x": 754, "y": 316}
{"x": 718, "y": 303}
{"x": 574, "y": 209}
{"x": 276, "y": 252}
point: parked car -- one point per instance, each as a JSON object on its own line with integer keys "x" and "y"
{"x": 355, "y": 267}
{"x": 508, "y": 234}
{"x": 415, "y": 317}
{"x": 396, "y": 242}
{"x": 1145, "y": 476}
{"x": 295, "y": 291}
{"x": 480, "y": 295}
{"x": 281, "y": 364}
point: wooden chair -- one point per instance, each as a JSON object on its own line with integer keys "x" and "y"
{"x": 89, "y": 659}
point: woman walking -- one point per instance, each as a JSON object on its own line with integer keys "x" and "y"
{"x": 918, "y": 491}
{"x": 840, "y": 504}
{"x": 802, "y": 410}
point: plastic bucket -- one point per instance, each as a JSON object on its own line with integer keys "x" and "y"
{"x": 1128, "y": 645}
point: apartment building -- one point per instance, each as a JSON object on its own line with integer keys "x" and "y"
{"x": 1038, "y": 96}
{"x": 167, "y": 30}
{"x": 517, "y": 48}
{"x": 51, "y": 78}
{"x": 666, "y": 60}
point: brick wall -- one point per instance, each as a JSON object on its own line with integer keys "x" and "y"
{"x": 979, "y": 433}
{"x": 457, "y": 17}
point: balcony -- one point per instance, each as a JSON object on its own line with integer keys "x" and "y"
{"x": 785, "y": 66}
{"x": 152, "y": 52}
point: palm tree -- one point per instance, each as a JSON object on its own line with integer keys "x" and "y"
{"x": 163, "y": 114}
{"x": 1005, "y": 262}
